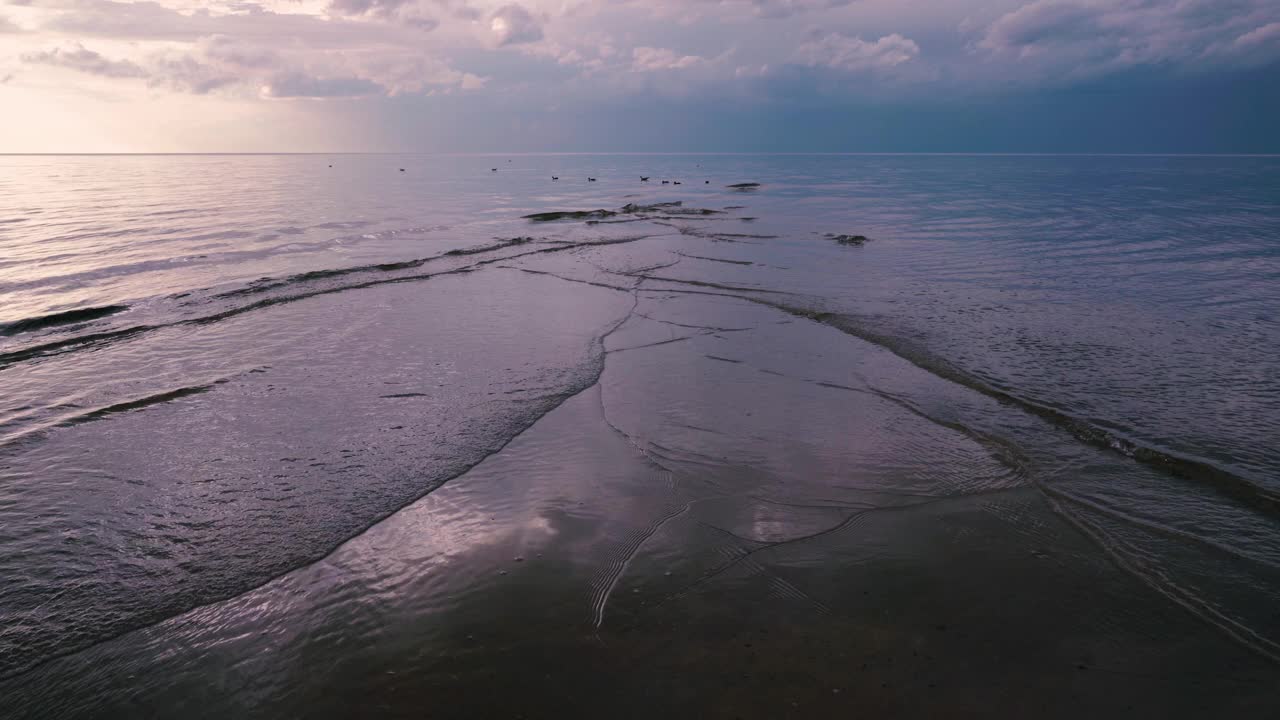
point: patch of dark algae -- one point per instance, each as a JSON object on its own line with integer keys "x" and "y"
{"x": 490, "y": 248}
{"x": 853, "y": 240}
{"x": 67, "y": 317}
{"x": 570, "y": 215}
{"x": 665, "y": 208}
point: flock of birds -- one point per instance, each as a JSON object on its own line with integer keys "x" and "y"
{"x": 591, "y": 179}
{"x": 642, "y": 179}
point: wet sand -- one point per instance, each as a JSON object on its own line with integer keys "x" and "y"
{"x": 727, "y": 509}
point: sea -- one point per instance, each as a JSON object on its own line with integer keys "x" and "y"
{"x": 578, "y": 434}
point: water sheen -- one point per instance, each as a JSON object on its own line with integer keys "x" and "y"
{"x": 218, "y": 369}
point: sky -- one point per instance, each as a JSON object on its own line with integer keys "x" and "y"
{"x": 640, "y": 76}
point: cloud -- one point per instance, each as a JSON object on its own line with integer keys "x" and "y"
{"x": 301, "y": 85}
{"x": 1082, "y": 38}
{"x": 173, "y": 71}
{"x": 777, "y": 9}
{"x": 359, "y": 48}
{"x": 853, "y": 54}
{"x": 407, "y": 12}
{"x": 408, "y": 73}
{"x": 1046, "y": 22}
{"x": 649, "y": 59}
{"x": 8, "y": 26}
{"x": 735, "y": 9}
{"x": 360, "y": 7}
{"x": 152, "y": 21}
{"x": 184, "y": 73}
{"x": 586, "y": 46}
{"x": 514, "y": 56}
{"x": 246, "y": 67}
{"x": 1258, "y": 46}
{"x": 1269, "y": 33}
{"x": 514, "y": 25}
{"x": 237, "y": 53}
{"x": 84, "y": 60}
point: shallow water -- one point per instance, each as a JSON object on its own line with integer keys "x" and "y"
{"x": 1040, "y": 405}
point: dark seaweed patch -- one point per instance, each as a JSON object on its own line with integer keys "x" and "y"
{"x": 489, "y": 248}
{"x": 570, "y": 215}
{"x": 595, "y": 216}
{"x": 33, "y": 324}
{"x": 854, "y": 240}
{"x": 667, "y": 208}
{"x": 139, "y": 404}
{"x": 633, "y": 208}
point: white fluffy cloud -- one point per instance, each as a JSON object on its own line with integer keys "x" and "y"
{"x": 514, "y": 25}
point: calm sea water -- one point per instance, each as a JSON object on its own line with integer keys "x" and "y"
{"x": 197, "y": 352}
